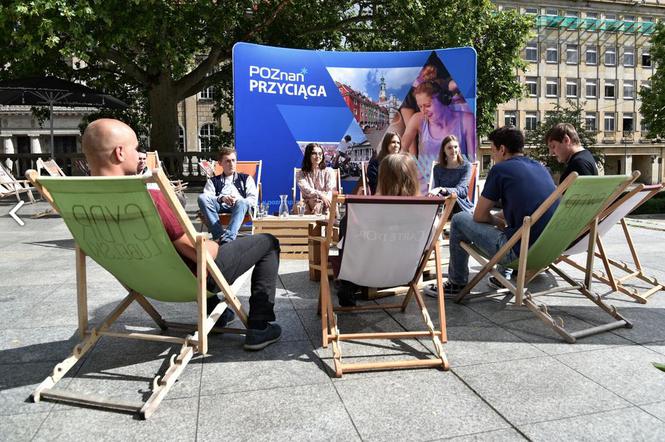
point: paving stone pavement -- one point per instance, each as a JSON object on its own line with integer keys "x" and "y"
{"x": 511, "y": 377}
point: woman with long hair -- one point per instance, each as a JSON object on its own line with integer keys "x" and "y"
{"x": 315, "y": 180}
{"x": 398, "y": 176}
{"x": 437, "y": 119}
{"x": 391, "y": 143}
{"x": 452, "y": 174}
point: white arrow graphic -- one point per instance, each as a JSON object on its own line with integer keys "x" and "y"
{"x": 13, "y": 214}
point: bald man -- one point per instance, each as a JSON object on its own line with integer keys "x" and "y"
{"x": 112, "y": 149}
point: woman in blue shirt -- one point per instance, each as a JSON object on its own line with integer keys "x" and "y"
{"x": 452, "y": 174}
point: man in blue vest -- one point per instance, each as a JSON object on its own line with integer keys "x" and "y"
{"x": 231, "y": 192}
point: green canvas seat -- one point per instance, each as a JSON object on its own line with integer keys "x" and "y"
{"x": 581, "y": 202}
{"x": 114, "y": 221}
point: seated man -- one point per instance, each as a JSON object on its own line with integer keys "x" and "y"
{"x": 111, "y": 148}
{"x": 564, "y": 144}
{"x": 231, "y": 192}
{"x": 143, "y": 158}
{"x": 521, "y": 184}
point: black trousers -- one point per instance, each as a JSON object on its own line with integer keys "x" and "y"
{"x": 236, "y": 257}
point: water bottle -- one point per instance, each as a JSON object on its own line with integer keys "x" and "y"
{"x": 283, "y": 207}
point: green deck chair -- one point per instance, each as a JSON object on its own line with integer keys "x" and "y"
{"x": 114, "y": 221}
{"x": 582, "y": 200}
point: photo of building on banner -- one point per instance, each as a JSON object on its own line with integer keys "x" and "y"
{"x": 348, "y": 102}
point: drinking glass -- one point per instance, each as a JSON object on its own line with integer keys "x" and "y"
{"x": 301, "y": 208}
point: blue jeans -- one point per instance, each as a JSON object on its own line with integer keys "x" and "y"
{"x": 486, "y": 237}
{"x": 211, "y": 208}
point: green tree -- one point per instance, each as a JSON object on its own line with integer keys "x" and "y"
{"x": 572, "y": 113}
{"x": 653, "y": 98}
{"x": 167, "y": 50}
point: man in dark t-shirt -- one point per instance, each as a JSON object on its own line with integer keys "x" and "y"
{"x": 111, "y": 148}
{"x": 564, "y": 143}
{"x": 521, "y": 184}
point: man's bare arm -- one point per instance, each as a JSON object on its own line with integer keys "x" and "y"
{"x": 186, "y": 248}
{"x": 483, "y": 213}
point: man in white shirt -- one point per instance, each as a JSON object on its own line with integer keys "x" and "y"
{"x": 231, "y": 192}
{"x": 342, "y": 153}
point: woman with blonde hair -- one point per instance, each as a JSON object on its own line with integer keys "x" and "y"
{"x": 398, "y": 176}
{"x": 452, "y": 174}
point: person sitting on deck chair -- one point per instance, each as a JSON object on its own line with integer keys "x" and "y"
{"x": 231, "y": 192}
{"x": 111, "y": 149}
{"x": 521, "y": 184}
{"x": 564, "y": 144}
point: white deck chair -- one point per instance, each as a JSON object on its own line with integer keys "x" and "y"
{"x": 613, "y": 214}
{"x": 11, "y": 186}
{"x": 387, "y": 243}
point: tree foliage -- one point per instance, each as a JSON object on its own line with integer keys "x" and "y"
{"x": 572, "y": 113}
{"x": 166, "y": 50}
{"x": 653, "y": 98}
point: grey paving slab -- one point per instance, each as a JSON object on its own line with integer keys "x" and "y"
{"x": 20, "y": 427}
{"x": 17, "y": 382}
{"x": 392, "y": 407}
{"x": 310, "y": 412}
{"x": 36, "y": 344}
{"x": 626, "y": 371}
{"x": 174, "y": 420}
{"x": 624, "y": 424}
{"x": 508, "y": 435}
{"x": 534, "y": 390}
{"x": 656, "y": 409}
{"x": 231, "y": 369}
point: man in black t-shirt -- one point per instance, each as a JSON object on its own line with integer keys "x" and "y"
{"x": 564, "y": 143}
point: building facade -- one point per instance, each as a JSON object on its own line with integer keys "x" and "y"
{"x": 596, "y": 54}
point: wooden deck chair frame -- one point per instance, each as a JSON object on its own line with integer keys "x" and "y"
{"x": 152, "y": 161}
{"x": 196, "y": 343}
{"x": 11, "y": 186}
{"x": 567, "y": 192}
{"x": 52, "y": 169}
{"x": 363, "y": 178}
{"x": 295, "y": 189}
{"x": 474, "y": 187}
{"x": 207, "y": 167}
{"x": 613, "y": 214}
{"x": 329, "y": 328}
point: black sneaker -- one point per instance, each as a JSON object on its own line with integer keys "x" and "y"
{"x": 449, "y": 288}
{"x": 260, "y": 339}
{"x": 346, "y": 293}
{"x": 494, "y": 282}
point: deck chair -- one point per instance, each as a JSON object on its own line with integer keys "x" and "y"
{"x": 50, "y": 167}
{"x": 152, "y": 161}
{"x": 613, "y": 214}
{"x": 82, "y": 166}
{"x": 207, "y": 167}
{"x": 363, "y": 178}
{"x": 473, "y": 182}
{"x": 11, "y": 186}
{"x": 582, "y": 200}
{"x": 295, "y": 190}
{"x": 388, "y": 242}
{"x": 114, "y": 221}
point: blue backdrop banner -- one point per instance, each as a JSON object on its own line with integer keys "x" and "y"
{"x": 288, "y": 98}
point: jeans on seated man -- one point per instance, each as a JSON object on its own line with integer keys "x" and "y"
{"x": 522, "y": 185}
{"x": 230, "y": 192}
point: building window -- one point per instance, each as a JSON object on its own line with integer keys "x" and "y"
{"x": 591, "y": 89}
{"x": 207, "y": 94}
{"x": 628, "y": 125}
{"x": 571, "y": 88}
{"x": 591, "y": 55}
{"x": 610, "y": 16}
{"x": 628, "y": 18}
{"x": 531, "y": 121}
{"x": 552, "y": 55}
{"x": 531, "y": 11}
{"x": 644, "y": 126}
{"x": 592, "y": 15}
{"x": 532, "y": 86}
{"x": 572, "y": 14}
{"x": 647, "y": 19}
{"x": 646, "y": 58}
{"x": 611, "y": 56}
{"x": 531, "y": 51}
{"x": 181, "y": 139}
{"x": 551, "y": 11}
{"x": 552, "y": 87}
{"x": 206, "y": 135}
{"x": 610, "y": 89}
{"x": 629, "y": 89}
{"x": 629, "y": 56}
{"x": 510, "y": 118}
{"x": 572, "y": 56}
{"x": 590, "y": 121}
{"x": 608, "y": 124}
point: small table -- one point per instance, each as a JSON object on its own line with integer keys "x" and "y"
{"x": 291, "y": 231}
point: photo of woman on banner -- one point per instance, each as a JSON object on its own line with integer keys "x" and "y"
{"x": 438, "y": 118}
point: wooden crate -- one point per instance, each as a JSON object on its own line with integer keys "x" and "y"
{"x": 291, "y": 231}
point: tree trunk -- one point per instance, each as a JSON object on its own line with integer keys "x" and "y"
{"x": 163, "y": 115}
